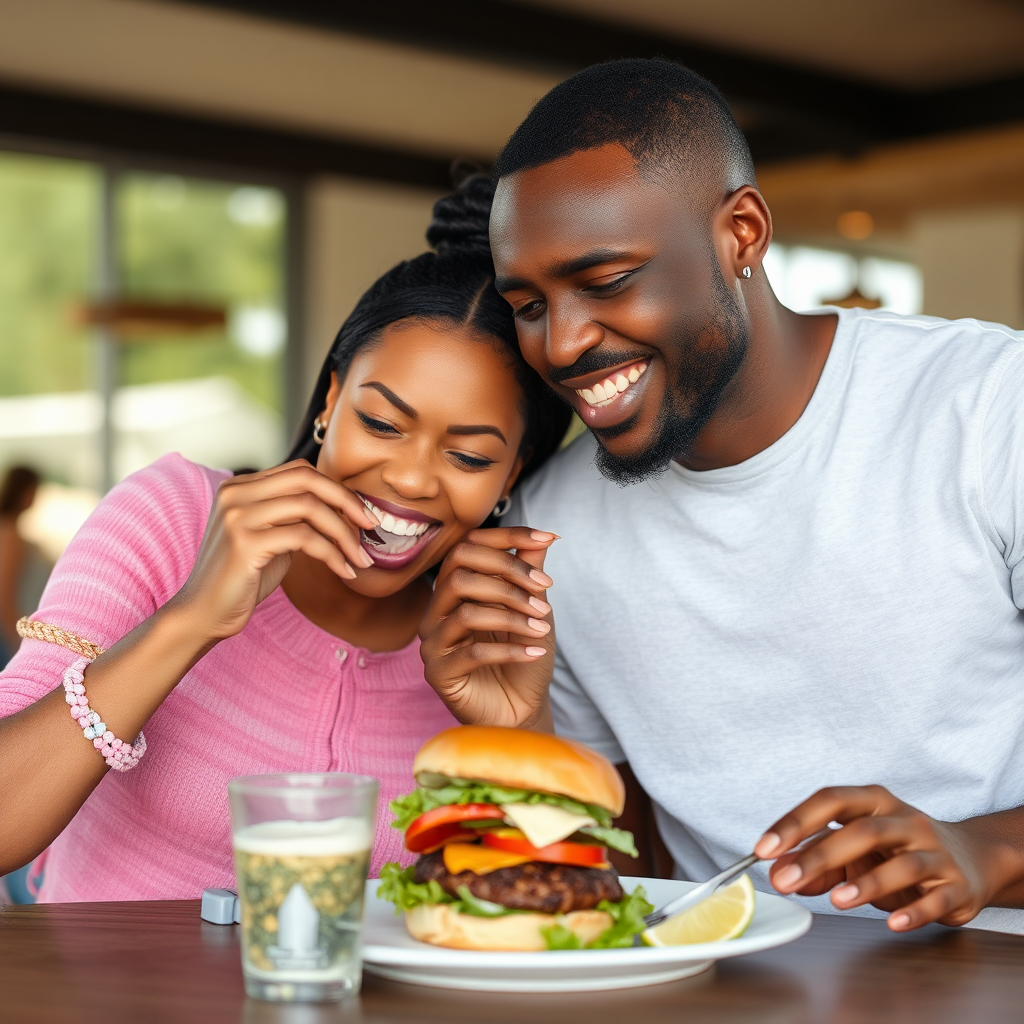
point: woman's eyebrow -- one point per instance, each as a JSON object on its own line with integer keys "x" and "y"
{"x": 392, "y": 398}
{"x": 484, "y": 428}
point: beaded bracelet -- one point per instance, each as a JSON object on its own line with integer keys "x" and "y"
{"x": 121, "y": 756}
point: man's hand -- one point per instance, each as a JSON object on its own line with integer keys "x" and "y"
{"x": 887, "y": 853}
{"x": 488, "y": 643}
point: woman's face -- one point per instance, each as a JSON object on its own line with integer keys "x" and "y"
{"x": 426, "y": 428}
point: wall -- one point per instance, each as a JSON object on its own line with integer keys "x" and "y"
{"x": 972, "y": 262}
{"x": 355, "y": 231}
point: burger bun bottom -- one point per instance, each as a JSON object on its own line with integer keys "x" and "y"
{"x": 443, "y": 925}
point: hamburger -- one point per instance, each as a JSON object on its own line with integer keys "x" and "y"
{"x": 512, "y": 829}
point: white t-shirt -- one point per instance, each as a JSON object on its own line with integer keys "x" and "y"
{"x": 842, "y": 608}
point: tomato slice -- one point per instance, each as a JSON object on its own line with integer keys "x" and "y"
{"x": 432, "y": 829}
{"x": 577, "y": 854}
{"x": 434, "y": 838}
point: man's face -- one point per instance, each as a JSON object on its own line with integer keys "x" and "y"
{"x": 620, "y": 302}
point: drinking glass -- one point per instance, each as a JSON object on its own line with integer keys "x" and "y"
{"x": 302, "y": 848}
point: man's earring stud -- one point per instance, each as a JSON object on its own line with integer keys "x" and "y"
{"x": 746, "y": 272}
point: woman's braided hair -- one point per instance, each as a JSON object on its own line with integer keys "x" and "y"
{"x": 453, "y": 284}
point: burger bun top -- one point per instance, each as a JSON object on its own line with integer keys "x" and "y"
{"x": 520, "y": 759}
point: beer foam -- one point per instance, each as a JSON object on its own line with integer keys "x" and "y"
{"x": 286, "y": 838}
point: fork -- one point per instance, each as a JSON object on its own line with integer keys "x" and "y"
{"x": 690, "y": 899}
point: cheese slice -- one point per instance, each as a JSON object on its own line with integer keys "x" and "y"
{"x": 479, "y": 859}
{"x": 544, "y": 824}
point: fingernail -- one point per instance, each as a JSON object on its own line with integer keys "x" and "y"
{"x": 535, "y": 652}
{"x": 846, "y": 893}
{"x": 767, "y": 844}
{"x": 788, "y": 877}
{"x": 539, "y": 625}
{"x": 372, "y": 516}
{"x": 542, "y": 606}
{"x": 541, "y": 535}
{"x": 364, "y": 559}
{"x": 349, "y": 573}
{"x": 899, "y": 920}
{"x": 540, "y": 577}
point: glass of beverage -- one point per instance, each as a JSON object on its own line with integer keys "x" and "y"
{"x": 302, "y": 848}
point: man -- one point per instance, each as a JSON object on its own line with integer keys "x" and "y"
{"x": 799, "y": 561}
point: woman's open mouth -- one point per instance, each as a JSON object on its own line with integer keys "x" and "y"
{"x": 401, "y": 537}
{"x": 608, "y": 401}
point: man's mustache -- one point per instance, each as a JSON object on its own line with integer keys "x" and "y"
{"x": 594, "y": 360}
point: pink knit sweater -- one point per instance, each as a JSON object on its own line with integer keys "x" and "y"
{"x": 283, "y": 695}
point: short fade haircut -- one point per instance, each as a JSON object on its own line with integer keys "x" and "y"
{"x": 665, "y": 115}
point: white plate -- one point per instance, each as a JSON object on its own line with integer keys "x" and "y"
{"x": 389, "y": 950}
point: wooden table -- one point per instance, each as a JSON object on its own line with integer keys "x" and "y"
{"x": 150, "y": 963}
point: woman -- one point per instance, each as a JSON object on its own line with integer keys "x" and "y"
{"x": 268, "y": 622}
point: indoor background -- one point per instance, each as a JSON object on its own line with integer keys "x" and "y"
{"x": 193, "y": 195}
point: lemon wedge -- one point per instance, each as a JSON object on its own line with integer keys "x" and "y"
{"x": 725, "y": 915}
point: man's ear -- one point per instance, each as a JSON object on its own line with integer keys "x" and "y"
{"x": 333, "y": 394}
{"x": 745, "y": 226}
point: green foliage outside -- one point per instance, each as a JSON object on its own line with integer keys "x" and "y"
{"x": 179, "y": 240}
{"x": 48, "y": 219}
{"x": 202, "y": 241}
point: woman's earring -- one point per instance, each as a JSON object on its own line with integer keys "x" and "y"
{"x": 746, "y": 272}
{"x": 318, "y": 430}
{"x": 502, "y": 507}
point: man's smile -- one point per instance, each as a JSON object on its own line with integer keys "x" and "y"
{"x": 606, "y": 390}
{"x": 607, "y": 397}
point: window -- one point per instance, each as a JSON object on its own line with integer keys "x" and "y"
{"x": 75, "y": 232}
{"x": 805, "y": 278}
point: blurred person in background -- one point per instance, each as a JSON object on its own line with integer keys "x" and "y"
{"x": 23, "y": 573}
{"x": 23, "y": 570}
{"x": 268, "y": 622}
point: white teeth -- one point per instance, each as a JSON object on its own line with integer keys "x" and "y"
{"x": 396, "y": 526}
{"x": 606, "y": 390}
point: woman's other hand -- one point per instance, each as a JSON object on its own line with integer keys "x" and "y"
{"x": 257, "y": 522}
{"x": 488, "y": 635}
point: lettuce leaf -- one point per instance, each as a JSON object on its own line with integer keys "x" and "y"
{"x": 408, "y": 808}
{"x": 616, "y": 838}
{"x": 561, "y": 936}
{"x": 627, "y": 917}
{"x": 627, "y": 921}
{"x": 476, "y": 907}
{"x": 398, "y": 886}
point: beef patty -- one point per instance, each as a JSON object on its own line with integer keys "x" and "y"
{"x": 549, "y": 888}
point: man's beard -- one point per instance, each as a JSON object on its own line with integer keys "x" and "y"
{"x": 704, "y": 373}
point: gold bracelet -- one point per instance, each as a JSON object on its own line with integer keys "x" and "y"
{"x": 55, "y": 635}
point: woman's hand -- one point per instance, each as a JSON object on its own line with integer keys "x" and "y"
{"x": 887, "y": 853}
{"x": 488, "y": 636}
{"x": 258, "y": 521}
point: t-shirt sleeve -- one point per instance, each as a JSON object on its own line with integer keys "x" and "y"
{"x": 129, "y": 558}
{"x": 576, "y": 715}
{"x": 1002, "y": 472}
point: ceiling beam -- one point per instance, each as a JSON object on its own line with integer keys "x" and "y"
{"x": 138, "y": 131}
{"x": 786, "y": 110}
